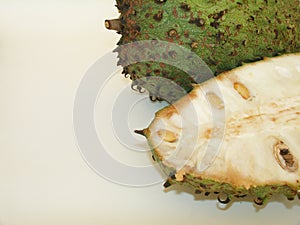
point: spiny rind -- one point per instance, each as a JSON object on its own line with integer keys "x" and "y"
{"x": 225, "y": 34}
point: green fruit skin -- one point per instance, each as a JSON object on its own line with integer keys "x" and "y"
{"x": 260, "y": 194}
{"x": 223, "y": 33}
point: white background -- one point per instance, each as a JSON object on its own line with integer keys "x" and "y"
{"x": 45, "y": 49}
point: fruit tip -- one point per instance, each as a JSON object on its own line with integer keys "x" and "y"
{"x": 114, "y": 24}
{"x": 141, "y": 132}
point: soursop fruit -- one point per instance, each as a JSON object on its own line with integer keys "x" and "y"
{"x": 223, "y": 33}
{"x": 237, "y": 134}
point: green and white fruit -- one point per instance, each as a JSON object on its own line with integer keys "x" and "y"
{"x": 258, "y": 137}
{"x": 223, "y": 33}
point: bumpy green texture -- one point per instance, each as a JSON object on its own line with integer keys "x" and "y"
{"x": 223, "y": 33}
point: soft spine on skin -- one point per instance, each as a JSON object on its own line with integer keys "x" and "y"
{"x": 224, "y": 34}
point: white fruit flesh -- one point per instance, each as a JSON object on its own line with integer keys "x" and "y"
{"x": 241, "y": 128}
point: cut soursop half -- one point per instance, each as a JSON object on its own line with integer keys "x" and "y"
{"x": 237, "y": 134}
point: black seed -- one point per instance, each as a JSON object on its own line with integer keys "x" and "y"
{"x": 207, "y": 193}
{"x": 186, "y": 7}
{"x": 290, "y": 198}
{"x": 284, "y": 151}
{"x": 167, "y": 184}
{"x": 216, "y": 192}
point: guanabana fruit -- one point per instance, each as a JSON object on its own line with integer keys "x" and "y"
{"x": 236, "y": 134}
{"x": 223, "y": 33}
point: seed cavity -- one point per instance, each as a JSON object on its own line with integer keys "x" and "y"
{"x": 215, "y": 100}
{"x": 167, "y": 136}
{"x": 242, "y": 90}
{"x": 284, "y": 157}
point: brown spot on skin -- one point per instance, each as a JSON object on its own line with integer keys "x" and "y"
{"x": 234, "y": 53}
{"x": 185, "y": 7}
{"x": 186, "y": 34}
{"x": 175, "y": 13}
{"x": 220, "y": 36}
{"x": 172, "y": 33}
{"x": 162, "y": 65}
{"x": 215, "y": 24}
{"x": 157, "y": 71}
{"x": 276, "y": 33}
{"x": 199, "y": 22}
{"x": 239, "y": 26}
{"x": 158, "y": 16}
{"x": 172, "y": 54}
{"x": 194, "y": 45}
